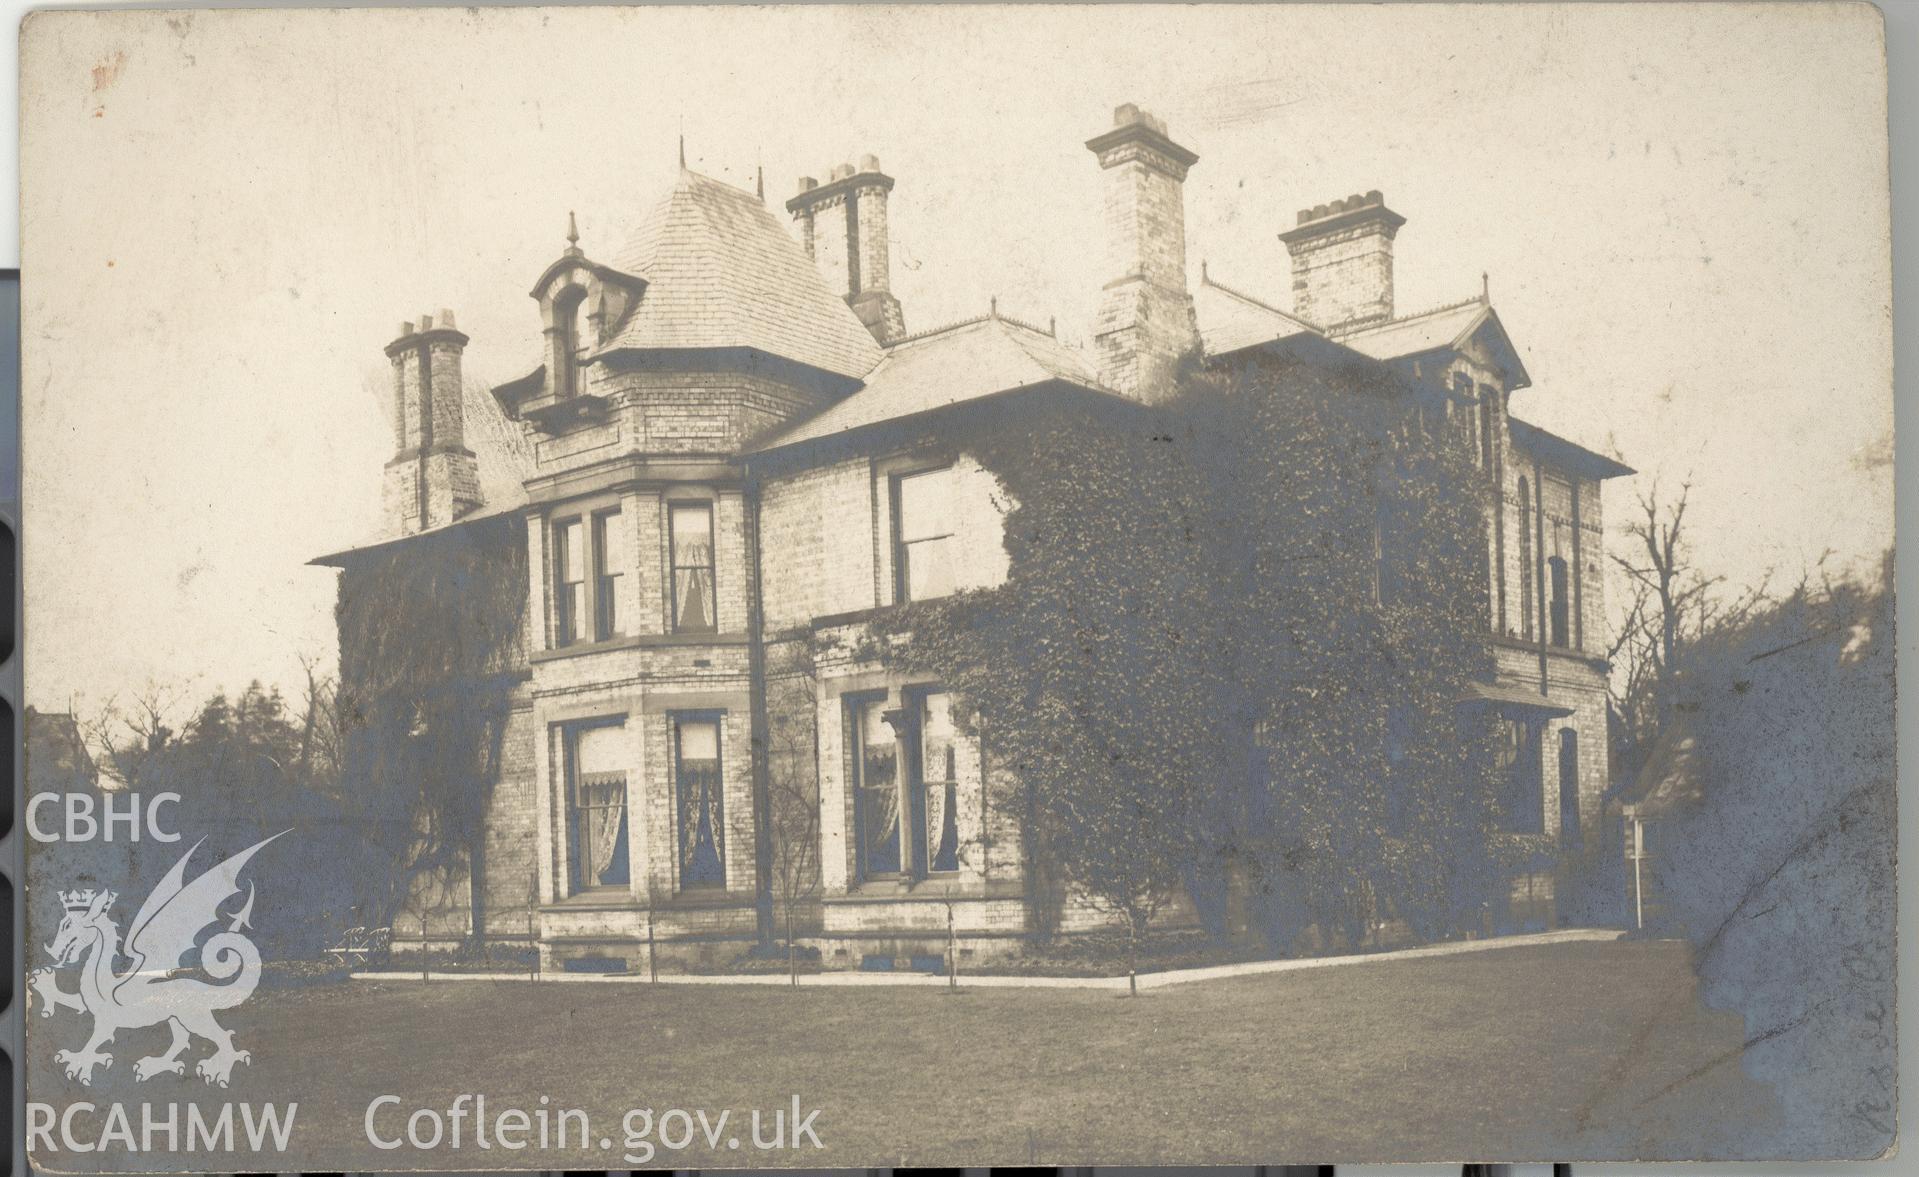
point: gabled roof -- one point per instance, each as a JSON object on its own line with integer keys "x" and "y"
{"x": 1230, "y": 320}
{"x": 1447, "y": 328}
{"x": 968, "y": 361}
{"x": 722, "y": 272}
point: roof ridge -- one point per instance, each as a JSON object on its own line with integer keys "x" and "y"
{"x": 1206, "y": 279}
{"x": 942, "y": 329}
{"x": 990, "y": 317}
{"x": 1426, "y": 313}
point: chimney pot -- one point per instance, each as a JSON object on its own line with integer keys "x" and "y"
{"x": 869, "y": 163}
{"x": 808, "y": 183}
{"x": 426, "y": 322}
{"x": 842, "y": 171}
{"x": 1145, "y": 322}
{"x": 406, "y": 329}
{"x": 446, "y": 318}
{"x": 1343, "y": 260}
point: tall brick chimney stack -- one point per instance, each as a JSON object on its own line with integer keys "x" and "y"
{"x": 865, "y": 273}
{"x": 433, "y": 478}
{"x": 1145, "y": 321}
{"x": 1343, "y": 261}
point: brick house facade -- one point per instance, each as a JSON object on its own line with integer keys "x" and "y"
{"x": 740, "y": 455}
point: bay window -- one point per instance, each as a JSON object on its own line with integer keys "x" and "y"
{"x": 938, "y": 784}
{"x": 609, "y": 565}
{"x": 690, "y": 528}
{"x": 596, "y": 806}
{"x": 569, "y": 580}
{"x": 589, "y": 562}
{"x": 904, "y": 771}
{"x": 875, "y": 781}
{"x": 699, "y": 794}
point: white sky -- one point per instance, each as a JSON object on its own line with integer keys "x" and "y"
{"x": 1683, "y": 211}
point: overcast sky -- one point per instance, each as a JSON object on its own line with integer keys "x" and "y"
{"x": 1682, "y": 210}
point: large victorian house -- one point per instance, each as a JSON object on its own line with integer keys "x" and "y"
{"x": 738, "y": 448}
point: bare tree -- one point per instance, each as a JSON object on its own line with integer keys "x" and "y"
{"x": 1673, "y": 605}
{"x": 124, "y": 736}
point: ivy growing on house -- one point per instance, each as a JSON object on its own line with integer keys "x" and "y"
{"x": 1232, "y": 649}
{"x": 431, "y": 635}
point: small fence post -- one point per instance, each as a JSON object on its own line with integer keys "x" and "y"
{"x": 652, "y": 955}
{"x": 952, "y": 950}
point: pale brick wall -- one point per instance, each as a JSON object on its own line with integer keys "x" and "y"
{"x": 1344, "y": 277}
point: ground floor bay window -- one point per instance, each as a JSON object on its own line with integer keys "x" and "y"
{"x": 596, "y": 807}
{"x": 699, "y": 799}
{"x": 904, "y": 777}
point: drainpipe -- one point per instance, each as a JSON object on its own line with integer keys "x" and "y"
{"x": 756, "y": 694}
{"x": 1539, "y": 565}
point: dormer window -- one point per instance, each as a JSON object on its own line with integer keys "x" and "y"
{"x": 583, "y": 306}
{"x": 571, "y": 339}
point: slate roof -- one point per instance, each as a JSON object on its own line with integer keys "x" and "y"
{"x": 1442, "y": 327}
{"x": 1230, "y": 320}
{"x": 722, "y": 272}
{"x": 1568, "y": 455}
{"x": 965, "y": 362}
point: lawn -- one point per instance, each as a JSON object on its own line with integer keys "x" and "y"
{"x": 1573, "y": 1051}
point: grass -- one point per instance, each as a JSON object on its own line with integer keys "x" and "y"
{"x": 1558, "y": 1052}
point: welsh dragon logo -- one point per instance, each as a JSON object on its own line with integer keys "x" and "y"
{"x": 148, "y": 992}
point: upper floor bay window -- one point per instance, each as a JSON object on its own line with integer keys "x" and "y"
{"x": 690, "y": 527}
{"x": 596, "y": 806}
{"x": 924, "y": 540}
{"x": 569, "y": 580}
{"x": 586, "y": 607}
{"x": 609, "y": 565}
{"x": 699, "y": 798}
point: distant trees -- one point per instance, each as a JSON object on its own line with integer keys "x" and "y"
{"x": 246, "y": 767}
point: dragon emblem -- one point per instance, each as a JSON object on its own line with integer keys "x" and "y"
{"x": 149, "y": 992}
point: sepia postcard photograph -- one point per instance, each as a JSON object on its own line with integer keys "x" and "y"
{"x": 839, "y": 587}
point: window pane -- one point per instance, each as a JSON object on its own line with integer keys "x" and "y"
{"x": 940, "y": 777}
{"x": 609, "y": 559}
{"x": 597, "y": 805}
{"x": 693, "y": 609}
{"x": 692, "y": 531}
{"x": 701, "y": 804}
{"x": 878, "y": 799}
{"x": 926, "y": 505}
{"x": 612, "y": 543}
{"x": 929, "y": 568}
{"x": 599, "y": 749}
{"x": 570, "y": 553}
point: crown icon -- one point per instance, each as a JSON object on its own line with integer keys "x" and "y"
{"x": 83, "y": 899}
